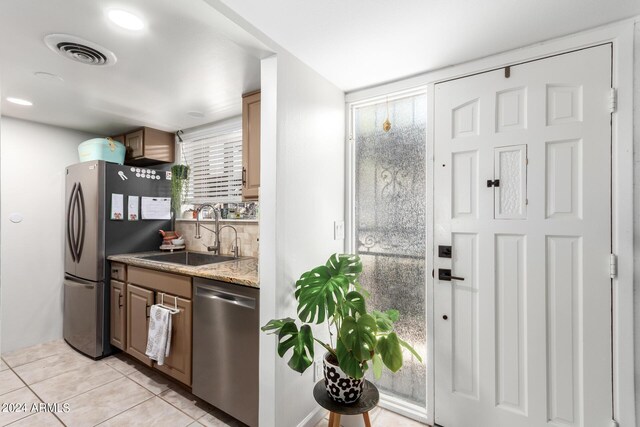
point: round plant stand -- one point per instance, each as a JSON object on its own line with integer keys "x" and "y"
{"x": 368, "y": 401}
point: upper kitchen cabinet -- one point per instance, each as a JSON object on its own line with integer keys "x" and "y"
{"x": 250, "y": 146}
{"x": 148, "y": 146}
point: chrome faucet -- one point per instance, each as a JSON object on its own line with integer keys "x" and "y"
{"x": 216, "y": 246}
{"x": 235, "y": 249}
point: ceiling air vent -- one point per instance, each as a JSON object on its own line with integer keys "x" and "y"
{"x": 79, "y": 50}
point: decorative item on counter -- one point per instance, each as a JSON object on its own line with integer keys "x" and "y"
{"x": 168, "y": 236}
{"x": 224, "y": 213}
{"x": 179, "y": 181}
{"x": 332, "y": 293}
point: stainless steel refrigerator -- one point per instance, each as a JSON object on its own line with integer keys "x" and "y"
{"x": 91, "y": 236}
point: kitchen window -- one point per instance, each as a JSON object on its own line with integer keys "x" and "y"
{"x": 388, "y": 229}
{"x": 214, "y": 156}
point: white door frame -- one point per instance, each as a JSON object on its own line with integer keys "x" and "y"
{"x": 621, "y": 35}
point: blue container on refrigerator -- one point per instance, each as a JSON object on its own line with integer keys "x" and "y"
{"x": 102, "y": 149}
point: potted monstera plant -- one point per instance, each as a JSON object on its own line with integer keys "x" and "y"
{"x": 331, "y": 293}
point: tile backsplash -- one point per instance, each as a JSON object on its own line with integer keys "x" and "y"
{"x": 248, "y": 234}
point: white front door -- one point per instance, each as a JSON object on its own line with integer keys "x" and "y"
{"x": 523, "y": 197}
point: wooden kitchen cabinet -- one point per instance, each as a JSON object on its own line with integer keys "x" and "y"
{"x": 178, "y": 363}
{"x": 118, "y": 314}
{"x": 149, "y": 146}
{"x": 250, "y": 146}
{"x": 119, "y": 138}
{"x": 139, "y": 302}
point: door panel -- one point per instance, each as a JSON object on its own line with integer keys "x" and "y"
{"x": 139, "y": 303}
{"x": 511, "y": 334}
{"x": 464, "y": 310}
{"x": 178, "y": 363}
{"x": 118, "y": 314}
{"x": 81, "y": 314}
{"x": 525, "y": 338}
{"x": 85, "y": 219}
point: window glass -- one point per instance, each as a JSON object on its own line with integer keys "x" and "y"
{"x": 390, "y": 226}
{"x": 214, "y": 156}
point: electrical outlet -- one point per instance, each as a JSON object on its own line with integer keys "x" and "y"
{"x": 338, "y": 230}
{"x": 318, "y": 371}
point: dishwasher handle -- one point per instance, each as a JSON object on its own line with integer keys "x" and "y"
{"x": 206, "y": 292}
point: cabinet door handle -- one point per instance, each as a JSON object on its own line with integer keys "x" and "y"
{"x": 120, "y": 300}
{"x": 244, "y": 176}
{"x": 148, "y": 310}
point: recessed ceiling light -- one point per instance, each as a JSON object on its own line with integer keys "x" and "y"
{"x": 126, "y": 20}
{"x": 19, "y": 101}
{"x": 48, "y": 76}
{"x": 195, "y": 114}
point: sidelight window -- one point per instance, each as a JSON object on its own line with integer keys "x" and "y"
{"x": 389, "y": 223}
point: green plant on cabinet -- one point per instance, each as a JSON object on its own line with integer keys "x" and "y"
{"x": 331, "y": 293}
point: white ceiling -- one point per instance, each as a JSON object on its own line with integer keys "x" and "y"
{"x": 182, "y": 61}
{"x": 360, "y": 43}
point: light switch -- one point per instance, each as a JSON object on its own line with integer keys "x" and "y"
{"x": 338, "y": 230}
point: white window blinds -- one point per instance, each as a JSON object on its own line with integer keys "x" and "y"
{"x": 214, "y": 156}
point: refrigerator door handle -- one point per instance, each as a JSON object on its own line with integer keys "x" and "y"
{"x": 75, "y": 219}
{"x": 81, "y": 221}
{"x": 78, "y": 280}
{"x": 70, "y": 222}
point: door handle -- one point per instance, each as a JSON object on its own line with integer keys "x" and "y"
{"x": 244, "y": 176}
{"x": 120, "y": 300}
{"x": 444, "y": 274}
{"x": 148, "y": 311}
{"x": 70, "y": 220}
{"x": 82, "y": 221}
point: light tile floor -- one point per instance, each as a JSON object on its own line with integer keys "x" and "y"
{"x": 115, "y": 391}
{"x": 379, "y": 418}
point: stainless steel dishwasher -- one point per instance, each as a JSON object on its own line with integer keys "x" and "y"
{"x": 225, "y": 347}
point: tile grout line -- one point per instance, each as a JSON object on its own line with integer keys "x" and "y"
{"x": 40, "y": 358}
{"x": 194, "y": 419}
{"x": 34, "y": 393}
{"x": 128, "y": 409}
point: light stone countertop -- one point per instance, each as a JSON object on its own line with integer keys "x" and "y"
{"x": 242, "y": 271}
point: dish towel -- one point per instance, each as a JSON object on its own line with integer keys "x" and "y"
{"x": 159, "y": 341}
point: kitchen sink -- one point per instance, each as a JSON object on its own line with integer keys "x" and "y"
{"x": 189, "y": 258}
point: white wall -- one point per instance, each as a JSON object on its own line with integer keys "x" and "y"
{"x": 302, "y": 194}
{"x": 636, "y": 208}
{"x": 33, "y": 157}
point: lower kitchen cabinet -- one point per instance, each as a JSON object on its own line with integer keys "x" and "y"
{"x": 118, "y": 315}
{"x": 178, "y": 363}
{"x": 139, "y": 302}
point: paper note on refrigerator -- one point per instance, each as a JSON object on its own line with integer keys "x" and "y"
{"x": 156, "y": 207}
{"x": 132, "y": 208}
{"x": 117, "y": 206}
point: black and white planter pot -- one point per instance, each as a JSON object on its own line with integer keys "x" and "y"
{"x": 341, "y": 387}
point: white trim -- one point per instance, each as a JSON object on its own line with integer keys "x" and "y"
{"x": 622, "y": 216}
{"x": 621, "y": 35}
{"x": 268, "y": 397}
{"x": 403, "y": 408}
{"x": 430, "y": 307}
